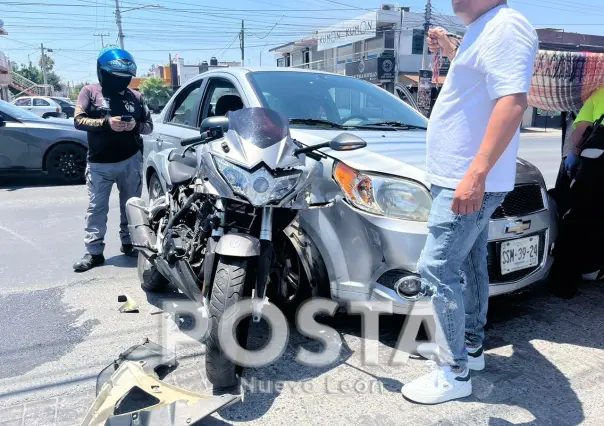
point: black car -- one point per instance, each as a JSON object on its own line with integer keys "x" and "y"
{"x": 67, "y": 106}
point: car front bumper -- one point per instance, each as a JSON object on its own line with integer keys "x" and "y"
{"x": 361, "y": 251}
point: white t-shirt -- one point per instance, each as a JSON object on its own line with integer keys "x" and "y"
{"x": 495, "y": 59}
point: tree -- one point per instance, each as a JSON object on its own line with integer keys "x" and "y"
{"x": 50, "y": 63}
{"x": 156, "y": 92}
{"x": 77, "y": 89}
{"x": 35, "y": 74}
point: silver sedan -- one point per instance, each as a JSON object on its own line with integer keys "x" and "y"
{"x": 29, "y": 143}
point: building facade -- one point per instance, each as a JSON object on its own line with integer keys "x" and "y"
{"x": 354, "y": 47}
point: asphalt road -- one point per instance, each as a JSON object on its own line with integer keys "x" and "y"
{"x": 545, "y": 356}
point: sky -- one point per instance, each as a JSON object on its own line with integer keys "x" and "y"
{"x": 199, "y": 29}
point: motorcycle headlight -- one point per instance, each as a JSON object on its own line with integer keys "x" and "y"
{"x": 385, "y": 196}
{"x": 259, "y": 187}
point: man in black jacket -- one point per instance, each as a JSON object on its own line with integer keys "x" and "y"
{"x": 114, "y": 117}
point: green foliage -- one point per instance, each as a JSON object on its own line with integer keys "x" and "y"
{"x": 156, "y": 92}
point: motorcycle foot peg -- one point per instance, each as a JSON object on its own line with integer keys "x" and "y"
{"x": 257, "y": 305}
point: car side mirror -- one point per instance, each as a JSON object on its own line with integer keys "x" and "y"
{"x": 347, "y": 142}
{"x": 214, "y": 122}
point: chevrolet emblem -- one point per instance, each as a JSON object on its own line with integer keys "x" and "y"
{"x": 518, "y": 227}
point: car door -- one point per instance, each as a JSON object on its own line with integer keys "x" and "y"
{"x": 14, "y": 143}
{"x": 24, "y": 103}
{"x": 42, "y": 106}
{"x": 222, "y": 94}
{"x": 181, "y": 121}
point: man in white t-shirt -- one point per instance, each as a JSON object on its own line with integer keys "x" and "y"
{"x": 472, "y": 143}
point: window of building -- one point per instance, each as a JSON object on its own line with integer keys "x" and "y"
{"x": 280, "y": 62}
{"x": 345, "y": 53}
{"x": 374, "y": 46}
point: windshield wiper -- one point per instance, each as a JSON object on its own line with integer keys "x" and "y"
{"x": 313, "y": 121}
{"x": 395, "y": 124}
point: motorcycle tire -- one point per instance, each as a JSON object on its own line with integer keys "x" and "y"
{"x": 228, "y": 289}
{"x": 152, "y": 281}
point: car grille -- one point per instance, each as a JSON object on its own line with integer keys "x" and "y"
{"x": 494, "y": 265}
{"x": 523, "y": 200}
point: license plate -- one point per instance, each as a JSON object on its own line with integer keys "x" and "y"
{"x": 519, "y": 254}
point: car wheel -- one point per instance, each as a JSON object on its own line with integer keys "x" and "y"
{"x": 66, "y": 163}
{"x": 63, "y": 115}
{"x": 155, "y": 189}
{"x": 45, "y": 116}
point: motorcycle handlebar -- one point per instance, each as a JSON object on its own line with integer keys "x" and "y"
{"x": 194, "y": 139}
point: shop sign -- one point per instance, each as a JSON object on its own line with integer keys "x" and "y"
{"x": 361, "y": 28}
{"x": 375, "y": 69}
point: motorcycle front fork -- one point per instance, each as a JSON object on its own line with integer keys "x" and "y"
{"x": 265, "y": 261}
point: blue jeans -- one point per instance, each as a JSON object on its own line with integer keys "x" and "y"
{"x": 454, "y": 267}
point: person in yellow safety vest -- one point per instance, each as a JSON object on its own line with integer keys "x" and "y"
{"x": 590, "y": 112}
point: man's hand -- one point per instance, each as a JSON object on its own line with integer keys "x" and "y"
{"x": 438, "y": 39}
{"x": 469, "y": 194}
{"x": 117, "y": 125}
{"x": 130, "y": 125}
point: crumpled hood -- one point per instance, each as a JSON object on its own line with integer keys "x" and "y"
{"x": 398, "y": 153}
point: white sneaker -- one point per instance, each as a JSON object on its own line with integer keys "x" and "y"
{"x": 440, "y": 385}
{"x": 476, "y": 358}
{"x": 475, "y": 355}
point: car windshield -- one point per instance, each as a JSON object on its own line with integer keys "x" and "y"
{"x": 16, "y": 112}
{"x": 332, "y": 98}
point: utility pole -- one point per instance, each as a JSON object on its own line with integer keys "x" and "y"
{"x": 242, "y": 42}
{"x": 424, "y": 90}
{"x": 118, "y": 21}
{"x": 426, "y": 29}
{"x": 43, "y": 64}
{"x": 101, "y": 35}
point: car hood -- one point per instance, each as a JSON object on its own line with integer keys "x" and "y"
{"x": 399, "y": 153}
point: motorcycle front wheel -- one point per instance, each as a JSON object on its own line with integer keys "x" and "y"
{"x": 228, "y": 289}
{"x": 152, "y": 281}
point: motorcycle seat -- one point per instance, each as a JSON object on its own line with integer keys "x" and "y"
{"x": 190, "y": 158}
{"x": 180, "y": 172}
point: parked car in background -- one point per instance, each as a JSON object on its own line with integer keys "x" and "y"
{"x": 67, "y": 106}
{"x": 29, "y": 143}
{"x": 41, "y": 106}
{"x": 369, "y": 242}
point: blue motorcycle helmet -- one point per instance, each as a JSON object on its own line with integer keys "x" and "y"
{"x": 115, "y": 68}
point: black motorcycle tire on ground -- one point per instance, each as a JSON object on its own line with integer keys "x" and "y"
{"x": 152, "y": 281}
{"x": 228, "y": 289}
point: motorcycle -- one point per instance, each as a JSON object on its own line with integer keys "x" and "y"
{"x": 214, "y": 233}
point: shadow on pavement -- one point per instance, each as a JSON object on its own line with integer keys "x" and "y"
{"x": 12, "y": 183}
{"x": 524, "y": 370}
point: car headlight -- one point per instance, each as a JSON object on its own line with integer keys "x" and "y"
{"x": 385, "y": 196}
{"x": 259, "y": 187}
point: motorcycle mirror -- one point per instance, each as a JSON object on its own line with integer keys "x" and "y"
{"x": 213, "y": 122}
{"x": 347, "y": 142}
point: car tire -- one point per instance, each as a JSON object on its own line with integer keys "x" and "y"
{"x": 66, "y": 163}
{"x": 45, "y": 116}
{"x": 63, "y": 115}
{"x": 154, "y": 187}
{"x": 152, "y": 281}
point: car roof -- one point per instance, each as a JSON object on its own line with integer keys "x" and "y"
{"x": 243, "y": 71}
